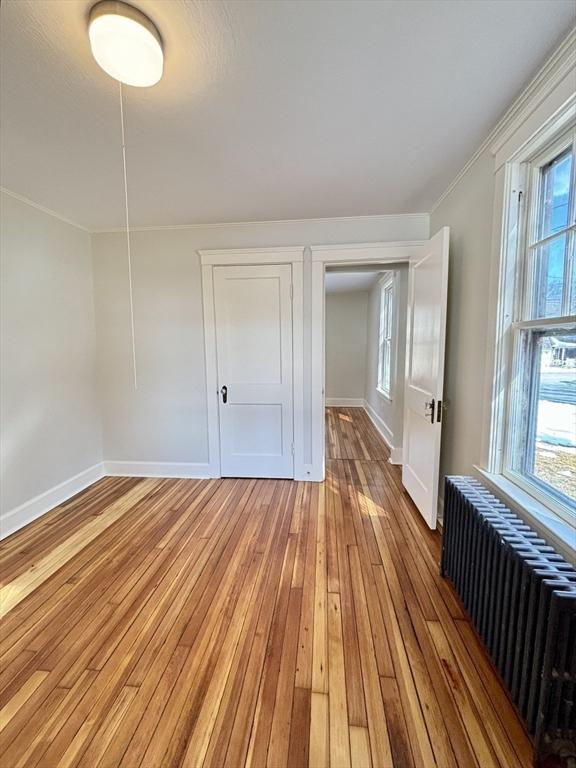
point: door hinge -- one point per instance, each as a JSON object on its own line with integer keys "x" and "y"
{"x": 291, "y": 290}
{"x": 292, "y": 446}
{"x": 441, "y": 407}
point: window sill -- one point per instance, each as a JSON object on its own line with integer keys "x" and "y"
{"x": 560, "y": 533}
{"x": 383, "y": 395}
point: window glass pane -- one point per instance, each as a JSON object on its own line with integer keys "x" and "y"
{"x": 572, "y": 307}
{"x": 388, "y": 365}
{"x": 386, "y": 313}
{"x": 554, "y": 196}
{"x": 384, "y": 363}
{"x": 549, "y": 278}
{"x": 551, "y": 447}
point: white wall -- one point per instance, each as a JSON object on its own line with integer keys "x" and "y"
{"x": 51, "y": 429}
{"x": 389, "y": 411}
{"x": 164, "y": 421}
{"x": 346, "y": 322}
{"x": 468, "y": 211}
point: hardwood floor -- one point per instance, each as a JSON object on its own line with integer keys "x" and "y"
{"x": 245, "y": 622}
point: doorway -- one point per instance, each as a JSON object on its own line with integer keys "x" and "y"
{"x": 365, "y": 345}
{"x": 424, "y": 361}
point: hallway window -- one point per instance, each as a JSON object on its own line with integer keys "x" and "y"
{"x": 385, "y": 336}
{"x": 541, "y": 435}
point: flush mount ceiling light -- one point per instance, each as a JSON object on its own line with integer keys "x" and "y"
{"x": 125, "y": 43}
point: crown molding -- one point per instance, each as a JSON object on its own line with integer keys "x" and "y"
{"x": 556, "y": 68}
{"x": 562, "y": 61}
{"x": 42, "y": 208}
{"x": 385, "y": 217}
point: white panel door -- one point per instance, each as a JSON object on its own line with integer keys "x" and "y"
{"x": 427, "y": 298}
{"x": 253, "y": 308}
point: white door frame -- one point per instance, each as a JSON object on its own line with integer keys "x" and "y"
{"x": 209, "y": 259}
{"x": 341, "y": 255}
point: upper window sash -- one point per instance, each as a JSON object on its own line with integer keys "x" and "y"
{"x": 560, "y": 150}
{"x": 538, "y": 245}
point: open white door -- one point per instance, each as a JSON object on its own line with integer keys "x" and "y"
{"x": 253, "y": 315}
{"x": 426, "y": 333}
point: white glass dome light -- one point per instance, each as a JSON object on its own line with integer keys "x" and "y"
{"x": 125, "y": 43}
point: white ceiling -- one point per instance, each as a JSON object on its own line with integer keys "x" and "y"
{"x": 343, "y": 282}
{"x": 267, "y": 110}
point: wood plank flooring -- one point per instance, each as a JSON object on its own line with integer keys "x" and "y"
{"x": 234, "y": 623}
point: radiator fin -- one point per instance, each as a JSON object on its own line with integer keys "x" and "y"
{"x": 521, "y": 597}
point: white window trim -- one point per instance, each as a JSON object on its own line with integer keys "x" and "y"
{"x": 388, "y": 281}
{"x": 529, "y": 164}
{"x": 544, "y": 112}
{"x": 381, "y": 393}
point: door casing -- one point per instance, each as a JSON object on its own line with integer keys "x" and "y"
{"x": 293, "y": 256}
{"x": 364, "y": 254}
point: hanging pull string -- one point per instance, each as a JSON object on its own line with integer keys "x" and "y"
{"x": 128, "y": 240}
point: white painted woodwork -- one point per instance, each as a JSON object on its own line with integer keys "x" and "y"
{"x": 426, "y": 332}
{"x": 253, "y": 316}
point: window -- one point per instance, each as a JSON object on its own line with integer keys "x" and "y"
{"x": 540, "y": 438}
{"x": 385, "y": 336}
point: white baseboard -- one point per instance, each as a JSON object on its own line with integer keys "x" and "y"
{"x": 158, "y": 469}
{"x": 385, "y": 432}
{"x": 345, "y": 402}
{"x": 20, "y": 516}
{"x": 380, "y": 425}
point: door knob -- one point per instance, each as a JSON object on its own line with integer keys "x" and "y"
{"x": 224, "y": 393}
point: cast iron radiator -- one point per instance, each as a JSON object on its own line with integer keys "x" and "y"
{"x": 521, "y": 596}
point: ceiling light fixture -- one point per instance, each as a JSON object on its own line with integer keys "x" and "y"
{"x": 125, "y": 43}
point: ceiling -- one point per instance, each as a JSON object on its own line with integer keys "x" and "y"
{"x": 267, "y": 110}
{"x": 344, "y": 282}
